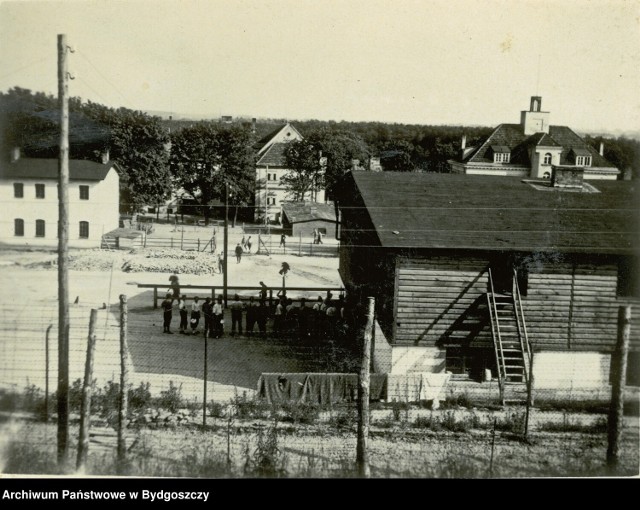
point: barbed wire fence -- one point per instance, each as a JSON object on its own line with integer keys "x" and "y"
{"x": 287, "y": 403}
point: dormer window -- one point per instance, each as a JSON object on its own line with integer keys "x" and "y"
{"x": 501, "y": 153}
{"x": 583, "y": 160}
{"x": 581, "y": 157}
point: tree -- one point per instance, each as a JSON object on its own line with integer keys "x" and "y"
{"x": 135, "y": 140}
{"x": 302, "y": 158}
{"x": 205, "y": 157}
{"x": 340, "y": 147}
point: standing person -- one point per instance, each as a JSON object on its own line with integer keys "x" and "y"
{"x": 175, "y": 286}
{"x": 315, "y": 236}
{"x": 220, "y": 262}
{"x": 283, "y": 241}
{"x": 167, "y": 308}
{"x": 184, "y": 315}
{"x": 249, "y": 244}
{"x": 238, "y": 253}
{"x": 243, "y": 243}
{"x": 236, "y": 315}
{"x": 263, "y": 292}
{"x": 195, "y": 315}
{"x": 319, "y": 237}
{"x": 303, "y": 319}
{"x": 218, "y": 318}
{"x": 252, "y": 315}
{"x": 278, "y": 317}
{"x": 261, "y": 318}
{"x": 207, "y": 312}
{"x": 317, "y": 318}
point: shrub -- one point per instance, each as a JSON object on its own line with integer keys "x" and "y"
{"x": 344, "y": 419}
{"x": 140, "y": 397}
{"x": 247, "y": 408}
{"x": 171, "y": 399}
{"x": 301, "y": 412}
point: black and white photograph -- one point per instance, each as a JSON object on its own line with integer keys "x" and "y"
{"x": 364, "y": 239}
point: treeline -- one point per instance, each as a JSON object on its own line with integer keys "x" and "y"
{"x": 158, "y": 157}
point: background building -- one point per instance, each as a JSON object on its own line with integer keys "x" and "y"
{"x": 29, "y": 197}
{"x": 530, "y": 148}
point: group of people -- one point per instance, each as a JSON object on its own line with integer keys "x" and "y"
{"x": 327, "y": 318}
{"x": 317, "y": 236}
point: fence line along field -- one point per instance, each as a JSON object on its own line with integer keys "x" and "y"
{"x": 245, "y": 428}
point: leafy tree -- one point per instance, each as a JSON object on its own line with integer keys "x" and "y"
{"x": 205, "y": 157}
{"x": 340, "y": 147}
{"x": 302, "y": 157}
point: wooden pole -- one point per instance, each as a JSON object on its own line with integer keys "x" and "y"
{"x": 299, "y": 244}
{"x": 46, "y": 374}
{"x": 205, "y": 376}
{"x": 124, "y": 381}
{"x": 362, "y": 459}
{"x": 529, "y": 397}
{"x": 63, "y": 253}
{"x": 226, "y": 241}
{"x": 85, "y": 407}
{"x": 619, "y": 369}
{"x": 182, "y": 239}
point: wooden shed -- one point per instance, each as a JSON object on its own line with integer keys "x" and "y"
{"x": 472, "y": 274}
{"x": 302, "y": 218}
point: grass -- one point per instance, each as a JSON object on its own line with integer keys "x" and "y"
{"x": 599, "y": 426}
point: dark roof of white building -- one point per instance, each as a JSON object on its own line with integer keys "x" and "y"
{"x": 46, "y": 168}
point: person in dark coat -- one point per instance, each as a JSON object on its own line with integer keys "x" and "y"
{"x": 167, "y": 308}
{"x": 207, "y": 312}
{"x": 238, "y": 253}
{"x": 252, "y": 312}
{"x": 236, "y": 315}
{"x": 184, "y": 315}
{"x": 261, "y": 318}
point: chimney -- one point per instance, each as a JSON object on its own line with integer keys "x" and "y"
{"x": 104, "y": 156}
{"x": 253, "y": 125}
{"x": 15, "y": 154}
{"x": 627, "y": 175}
{"x": 567, "y": 177}
{"x": 354, "y": 164}
{"x": 602, "y": 148}
{"x": 463, "y": 146}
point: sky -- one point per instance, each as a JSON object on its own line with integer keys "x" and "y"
{"x": 463, "y": 62}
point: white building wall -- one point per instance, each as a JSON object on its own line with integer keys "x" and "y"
{"x": 101, "y": 211}
{"x": 568, "y": 370}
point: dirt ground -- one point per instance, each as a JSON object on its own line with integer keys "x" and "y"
{"x": 234, "y": 365}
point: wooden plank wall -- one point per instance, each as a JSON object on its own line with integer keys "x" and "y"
{"x": 568, "y": 306}
{"x": 574, "y": 306}
{"x": 432, "y": 293}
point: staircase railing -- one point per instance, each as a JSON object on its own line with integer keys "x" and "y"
{"x": 495, "y": 333}
{"x": 522, "y": 326}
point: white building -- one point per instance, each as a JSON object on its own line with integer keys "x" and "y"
{"x": 29, "y": 198}
{"x": 271, "y": 166}
{"x": 531, "y": 148}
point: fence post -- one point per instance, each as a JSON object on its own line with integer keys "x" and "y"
{"x": 362, "y": 459}
{"x": 144, "y": 240}
{"x": 85, "y": 407}
{"x": 619, "y": 369}
{"x": 529, "y": 397}
{"x": 270, "y": 298}
{"x": 206, "y": 375}
{"x": 46, "y": 374}
{"x": 124, "y": 377}
{"x": 300, "y": 244}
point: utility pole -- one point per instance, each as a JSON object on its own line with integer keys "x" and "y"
{"x": 266, "y": 196}
{"x": 63, "y": 253}
{"x": 226, "y": 240}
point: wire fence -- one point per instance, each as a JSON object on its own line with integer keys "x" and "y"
{"x": 278, "y": 395}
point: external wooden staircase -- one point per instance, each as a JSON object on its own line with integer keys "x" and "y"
{"x": 510, "y": 341}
